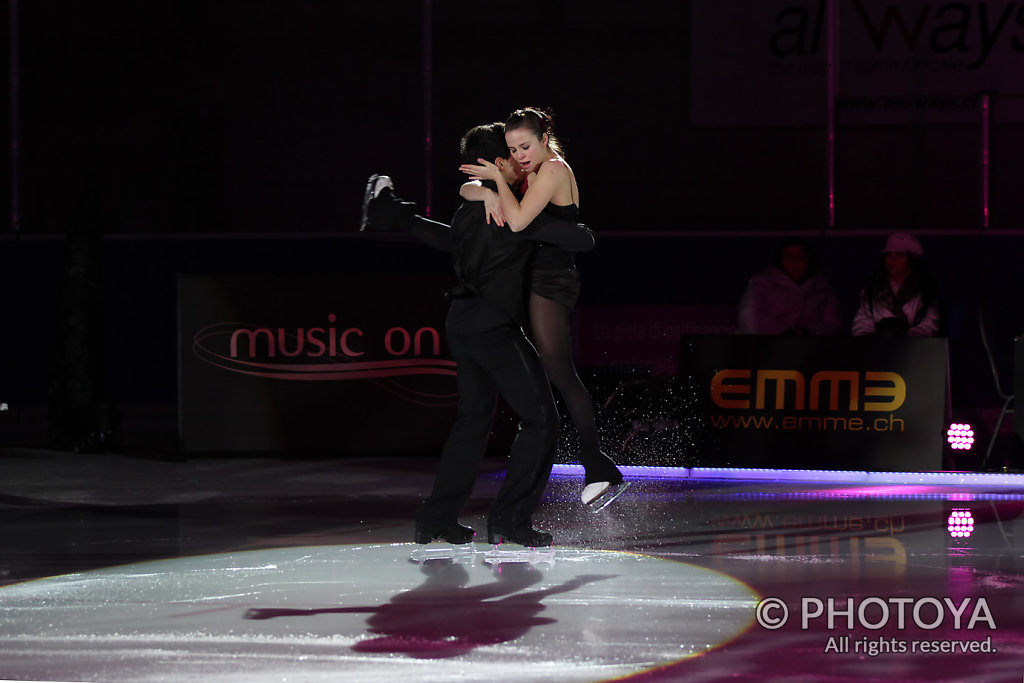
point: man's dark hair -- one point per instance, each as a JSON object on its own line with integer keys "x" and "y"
{"x": 484, "y": 142}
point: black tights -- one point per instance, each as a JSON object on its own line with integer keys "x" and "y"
{"x": 549, "y": 324}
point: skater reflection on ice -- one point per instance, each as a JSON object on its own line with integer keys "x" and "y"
{"x": 445, "y": 617}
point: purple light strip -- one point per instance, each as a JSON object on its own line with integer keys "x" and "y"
{"x": 633, "y": 471}
{"x": 763, "y": 474}
{"x": 1015, "y": 481}
{"x": 839, "y": 494}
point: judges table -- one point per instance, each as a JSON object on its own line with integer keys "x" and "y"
{"x": 875, "y": 404}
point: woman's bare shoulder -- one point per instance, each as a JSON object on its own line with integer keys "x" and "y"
{"x": 556, "y": 165}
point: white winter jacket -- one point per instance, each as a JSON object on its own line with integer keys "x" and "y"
{"x": 868, "y": 315}
{"x": 775, "y": 303}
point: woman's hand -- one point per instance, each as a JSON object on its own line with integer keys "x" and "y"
{"x": 492, "y": 206}
{"x": 473, "y": 191}
{"x": 484, "y": 171}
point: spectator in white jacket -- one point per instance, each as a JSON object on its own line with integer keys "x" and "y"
{"x": 899, "y": 299}
{"x": 791, "y": 296}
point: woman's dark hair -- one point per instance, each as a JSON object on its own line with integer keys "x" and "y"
{"x": 484, "y": 142}
{"x": 539, "y": 121}
{"x": 812, "y": 257}
{"x": 920, "y": 280}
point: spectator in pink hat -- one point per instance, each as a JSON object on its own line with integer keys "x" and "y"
{"x": 899, "y": 299}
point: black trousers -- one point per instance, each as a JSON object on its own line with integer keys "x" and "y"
{"x": 499, "y": 361}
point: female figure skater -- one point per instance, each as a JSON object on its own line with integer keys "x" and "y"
{"x": 555, "y": 284}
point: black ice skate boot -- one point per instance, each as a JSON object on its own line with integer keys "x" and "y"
{"x": 456, "y": 534}
{"x": 525, "y": 536}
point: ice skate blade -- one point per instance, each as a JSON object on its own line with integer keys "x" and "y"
{"x": 501, "y": 554}
{"x": 608, "y": 496}
{"x": 459, "y": 554}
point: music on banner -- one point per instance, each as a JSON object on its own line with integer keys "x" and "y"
{"x": 337, "y": 364}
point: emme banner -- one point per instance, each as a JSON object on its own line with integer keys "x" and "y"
{"x": 820, "y": 402}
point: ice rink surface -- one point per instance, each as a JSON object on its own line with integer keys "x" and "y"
{"x": 128, "y": 568}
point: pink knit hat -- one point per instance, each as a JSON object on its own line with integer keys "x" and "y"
{"x": 901, "y": 241}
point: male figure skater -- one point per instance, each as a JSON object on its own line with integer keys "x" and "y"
{"x": 485, "y": 335}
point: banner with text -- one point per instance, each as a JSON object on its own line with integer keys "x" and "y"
{"x": 899, "y": 61}
{"x": 343, "y": 364}
{"x": 821, "y": 403}
{"x": 644, "y": 337}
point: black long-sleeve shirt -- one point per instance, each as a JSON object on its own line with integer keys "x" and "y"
{"x": 491, "y": 263}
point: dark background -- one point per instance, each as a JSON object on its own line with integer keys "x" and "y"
{"x": 266, "y": 116}
{"x": 236, "y": 137}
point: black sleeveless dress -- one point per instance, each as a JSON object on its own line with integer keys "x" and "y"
{"x": 553, "y": 272}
